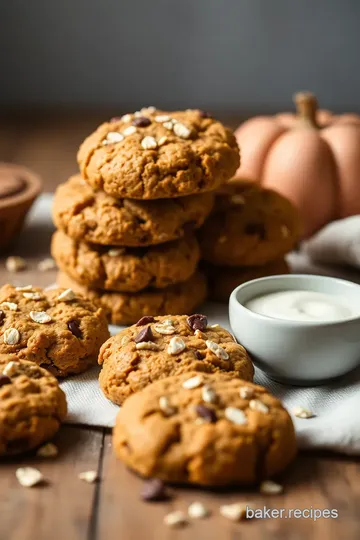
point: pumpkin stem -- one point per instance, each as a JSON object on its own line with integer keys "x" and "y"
{"x": 306, "y": 108}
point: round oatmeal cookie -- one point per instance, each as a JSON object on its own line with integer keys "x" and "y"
{"x": 158, "y": 347}
{"x": 127, "y": 308}
{"x": 153, "y": 154}
{"x": 126, "y": 269}
{"x": 222, "y": 280}
{"x": 208, "y": 429}
{"x": 56, "y": 329}
{"x": 32, "y": 406}
{"x": 250, "y": 226}
{"x": 92, "y": 216}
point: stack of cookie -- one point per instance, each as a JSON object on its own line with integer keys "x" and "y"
{"x": 126, "y": 223}
{"x": 247, "y": 236}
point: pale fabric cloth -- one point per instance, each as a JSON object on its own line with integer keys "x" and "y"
{"x": 336, "y": 425}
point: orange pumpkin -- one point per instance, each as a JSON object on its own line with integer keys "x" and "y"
{"x": 312, "y": 157}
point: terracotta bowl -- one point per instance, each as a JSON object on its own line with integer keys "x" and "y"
{"x": 19, "y": 187}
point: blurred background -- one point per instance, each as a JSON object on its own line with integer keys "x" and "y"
{"x": 67, "y": 65}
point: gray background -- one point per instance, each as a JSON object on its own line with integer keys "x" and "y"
{"x": 230, "y": 55}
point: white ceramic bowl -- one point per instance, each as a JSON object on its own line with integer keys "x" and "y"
{"x": 298, "y": 352}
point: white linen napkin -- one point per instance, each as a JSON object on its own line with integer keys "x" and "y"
{"x": 336, "y": 425}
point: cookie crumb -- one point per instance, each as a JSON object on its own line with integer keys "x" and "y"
{"x": 88, "y": 476}
{"x": 10, "y": 368}
{"x": 48, "y": 450}
{"x": 15, "y": 264}
{"x": 116, "y": 252}
{"x": 176, "y": 346}
{"x": 46, "y": 264}
{"x": 166, "y": 407}
{"x": 245, "y": 392}
{"x": 257, "y": 405}
{"x": 175, "y": 519}
{"x": 193, "y": 382}
{"x": 197, "y": 510}
{"x": 29, "y": 476}
{"x": 11, "y": 336}
{"x": 301, "y": 412}
{"x": 40, "y": 317}
{"x": 234, "y": 512}
{"x": 154, "y": 490}
{"x": 66, "y": 296}
{"x": 268, "y": 487}
{"x": 236, "y": 416}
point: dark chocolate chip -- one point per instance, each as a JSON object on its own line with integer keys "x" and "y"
{"x": 2, "y": 316}
{"x": 208, "y": 414}
{"x": 141, "y": 121}
{"x": 144, "y": 335}
{"x": 256, "y": 228}
{"x": 204, "y": 114}
{"x": 197, "y": 322}
{"x": 74, "y": 327}
{"x": 145, "y": 320}
{"x": 199, "y": 355}
{"x": 4, "y": 379}
{"x": 154, "y": 490}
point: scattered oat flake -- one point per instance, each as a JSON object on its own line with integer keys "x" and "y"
{"x": 234, "y": 512}
{"x": 10, "y": 305}
{"x": 164, "y": 328}
{"x": 193, "y": 382}
{"x": 48, "y": 450}
{"x": 15, "y": 264}
{"x": 144, "y": 345}
{"x": 29, "y": 476}
{"x": 301, "y": 412}
{"x": 176, "y": 346}
{"x": 162, "y": 140}
{"x": 150, "y": 110}
{"x": 40, "y": 317}
{"x": 182, "y": 131}
{"x": 257, "y": 405}
{"x": 245, "y": 392}
{"x": 197, "y": 510}
{"x": 66, "y": 296}
{"x": 175, "y": 519}
{"x": 268, "y": 487}
{"x": 11, "y": 336}
{"x": 32, "y": 295}
{"x": 126, "y": 118}
{"x": 168, "y": 125}
{"x": 10, "y": 368}
{"x": 166, "y": 407}
{"x": 198, "y": 333}
{"x": 24, "y": 288}
{"x": 236, "y": 416}
{"x": 216, "y": 349}
{"x": 46, "y": 264}
{"x": 161, "y": 118}
{"x": 88, "y": 476}
{"x": 129, "y": 131}
{"x": 116, "y": 252}
{"x": 208, "y": 394}
{"x": 149, "y": 143}
{"x": 214, "y": 326}
{"x": 114, "y": 137}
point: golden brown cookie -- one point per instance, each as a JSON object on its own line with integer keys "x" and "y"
{"x": 158, "y": 155}
{"x": 127, "y": 308}
{"x": 95, "y": 217}
{"x": 158, "y": 347}
{"x": 126, "y": 269}
{"x": 222, "y": 280}
{"x": 32, "y": 406}
{"x": 250, "y": 226}
{"x": 209, "y": 429}
{"x": 56, "y": 329}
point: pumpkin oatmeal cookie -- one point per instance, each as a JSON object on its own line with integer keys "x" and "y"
{"x": 250, "y": 226}
{"x": 127, "y": 308}
{"x": 32, "y": 406}
{"x": 92, "y": 216}
{"x": 208, "y": 429}
{"x": 57, "y": 329}
{"x": 126, "y": 269}
{"x": 153, "y": 154}
{"x": 158, "y": 347}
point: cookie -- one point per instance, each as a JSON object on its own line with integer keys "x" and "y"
{"x": 154, "y": 154}
{"x": 56, "y": 329}
{"x": 126, "y": 269}
{"x": 90, "y": 216}
{"x": 159, "y": 347}
{"x": 208, "y": 429}
{"x": 32, "y": 406}
{"x": 222, "y": 280}
{"x": 127, "y": 308}
{"x": 250, "y": 226}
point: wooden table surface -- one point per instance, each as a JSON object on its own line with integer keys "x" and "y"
{"x": 65, "y": 507}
